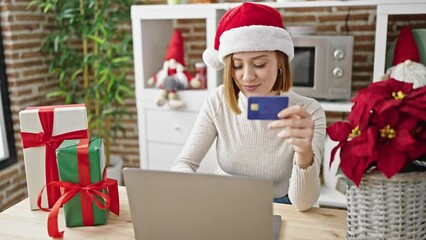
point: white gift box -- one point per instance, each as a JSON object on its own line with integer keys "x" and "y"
{"x": 70, "y": 120}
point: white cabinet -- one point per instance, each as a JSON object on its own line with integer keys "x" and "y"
{"x": 163, "y": 131}
{"x": 169, "y": 126}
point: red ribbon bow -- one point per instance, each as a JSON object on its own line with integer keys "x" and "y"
{"x": 45, "y": 138}
{"x": 88, "y": 194}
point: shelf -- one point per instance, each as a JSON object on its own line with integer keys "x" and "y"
{"x": 336, "y": 106}
{"x": 161, "y": 11}
{"x": 298, "y": 4}
{"x": 332, "y": 198}
{"x": 347, "y": 3}
{"x": 180, "y": 11}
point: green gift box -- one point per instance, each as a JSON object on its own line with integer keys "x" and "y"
{"x": 82, "y": 164}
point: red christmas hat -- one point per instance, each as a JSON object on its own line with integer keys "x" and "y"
{"x": 249, "y": 27}
{"x": 175, "y": 49}
{"x": 405, "y": 47}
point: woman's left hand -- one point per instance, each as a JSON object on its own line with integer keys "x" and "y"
{"x": 298, "y": 130}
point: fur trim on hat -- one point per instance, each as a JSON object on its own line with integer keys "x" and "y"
{"x": 255, "y": 38}
{"x": 249, "y": 39}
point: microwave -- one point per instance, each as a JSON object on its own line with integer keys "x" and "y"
{"x": 322, "y": 66}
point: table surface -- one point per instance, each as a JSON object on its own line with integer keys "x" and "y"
{"x": 19, "y": 222}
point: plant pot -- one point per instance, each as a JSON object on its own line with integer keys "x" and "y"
{"x": 114, "y": 170}
{"x": 382, "y": 208}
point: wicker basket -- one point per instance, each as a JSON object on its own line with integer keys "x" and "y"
{"x": 384, "y": 208}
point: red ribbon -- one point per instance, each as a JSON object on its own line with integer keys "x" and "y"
{"x": 45, "y": 138}
{"x": 91, "y": 191}
{"x": 88, "y": 192}
{"x": 84, "y": 180}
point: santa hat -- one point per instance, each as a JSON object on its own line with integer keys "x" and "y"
{"x": 406, "y": 60}
{"x": 405, "y": 47}
{"x": 249, "y": 27}
{"x": 175, "y": 49}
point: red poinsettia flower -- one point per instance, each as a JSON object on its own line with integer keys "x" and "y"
{"x": 380, "y": 96}
{"x": 419, "y": 134}
{"x": 355, "y": 159}
{"x": 386, "y": 129}
{"x": 394, "y": 141}
{"x": 415, "y": 103}
{"x": 355, "y": 148}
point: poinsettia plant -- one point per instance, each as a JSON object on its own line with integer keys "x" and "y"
{"x": 385, "y": 130}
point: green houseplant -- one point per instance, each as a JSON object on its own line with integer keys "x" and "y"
{"x": 90, "y": 55}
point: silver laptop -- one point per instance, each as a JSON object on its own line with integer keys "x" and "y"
{"x": 182, "y": 206}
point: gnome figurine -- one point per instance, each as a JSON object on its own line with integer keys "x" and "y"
{"x": 406, "y": 61}
{"x": 173, "y": 76}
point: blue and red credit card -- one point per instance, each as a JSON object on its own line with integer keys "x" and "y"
{"x": 266, "y": 108}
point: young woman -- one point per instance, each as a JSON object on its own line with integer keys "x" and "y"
{"x": 255, "y": 50}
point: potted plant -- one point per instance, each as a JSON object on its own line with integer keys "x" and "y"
{"x": 91, "y": 56}
{"x": 382, "y": 146}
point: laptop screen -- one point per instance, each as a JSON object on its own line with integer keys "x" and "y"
{"x": 170, "y": 205}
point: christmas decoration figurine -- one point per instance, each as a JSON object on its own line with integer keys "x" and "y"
{"x": 173, "y": 76}
{"x": 406, "y": 61}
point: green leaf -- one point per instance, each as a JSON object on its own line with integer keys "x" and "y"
{"x": 120, "y": 60}
{"x": 62, "y": 76}
{"x": 126, "y": 89}
{"x": 68, "y": 99}
{"x": 47, "y": 7}
{"x": 35, "y": 3}
{"x": 76, "y": 73}
{"x": 118, "y": 98}
{"x": 110, "y": 84}
{"x": 98, "y": 40}
{"x": 56, "y": 44}
{"x": 58, "y": 93}
{"x": 103, "y": 30}
{"x": 107, "y": 111}
{"x": 102, "y": 79}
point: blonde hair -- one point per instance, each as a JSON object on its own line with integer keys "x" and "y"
{"x": 282, "y": 84}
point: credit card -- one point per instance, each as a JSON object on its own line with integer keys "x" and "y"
{"x": 266, "y": 108}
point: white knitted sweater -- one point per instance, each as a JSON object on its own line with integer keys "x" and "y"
{"x": 249, "y": 148}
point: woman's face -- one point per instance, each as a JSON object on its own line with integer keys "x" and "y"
{"x": 255, "y": 73}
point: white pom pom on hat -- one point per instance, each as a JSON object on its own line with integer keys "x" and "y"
{"x": 249, "y": 27}
{"x": 211, "y": 58}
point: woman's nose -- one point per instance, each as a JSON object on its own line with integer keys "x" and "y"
{"x": 248, "y": 74}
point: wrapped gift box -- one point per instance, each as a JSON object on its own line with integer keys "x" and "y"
{"x": 42, "y": 131}
{"x": 82, "y": 162}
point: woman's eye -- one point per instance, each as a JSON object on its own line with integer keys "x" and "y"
{"x": 238, "y": 67}
{"x": 260, "y": 65}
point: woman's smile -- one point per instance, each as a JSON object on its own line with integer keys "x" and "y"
{"x": 251, "y": 88}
